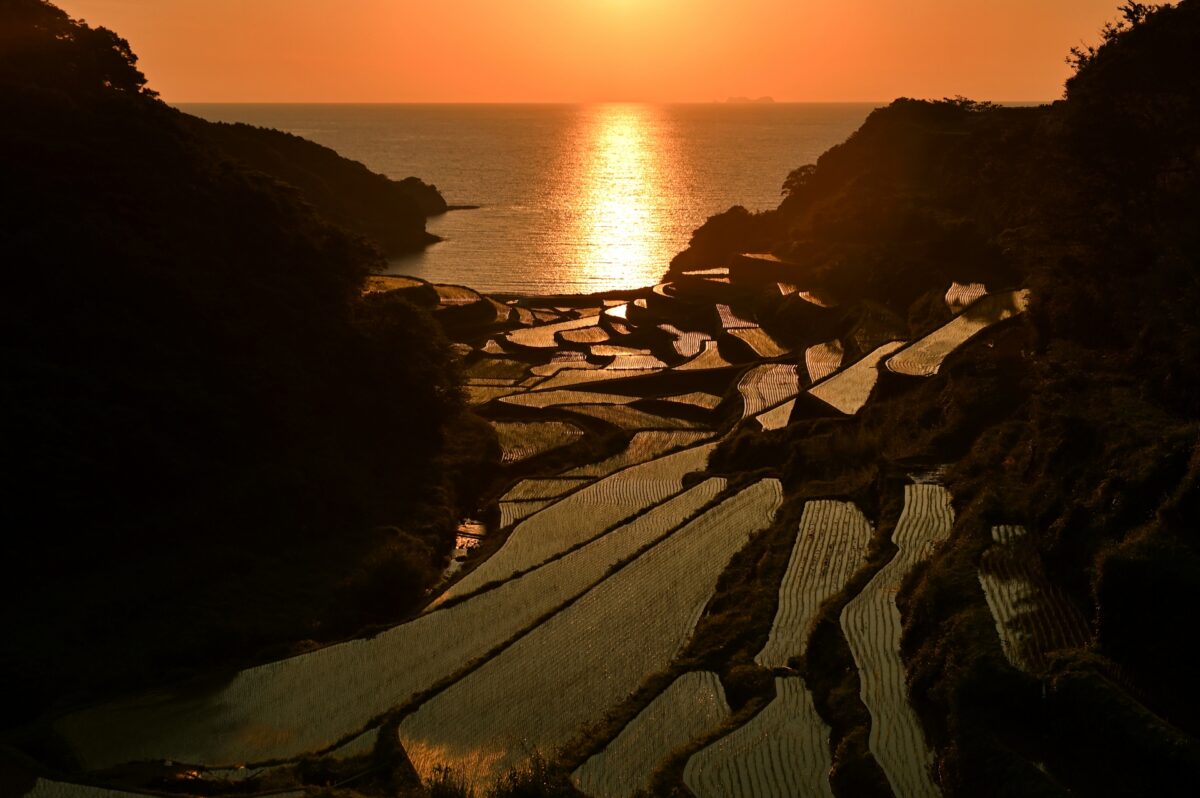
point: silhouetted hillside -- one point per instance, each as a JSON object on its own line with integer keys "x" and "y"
{"x": 389, "y": 212}
{"x": 1080, "y": 423}
{"x": 215, "y": 445}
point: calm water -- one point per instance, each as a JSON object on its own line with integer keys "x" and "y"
{"x": 575, "y": 198}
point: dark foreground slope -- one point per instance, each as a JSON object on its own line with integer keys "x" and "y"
{"x": 213, "y": 443}
{"x": 1080, "y": 423}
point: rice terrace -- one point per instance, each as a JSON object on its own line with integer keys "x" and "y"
{"x": 556, "y": 480}
{"x": 586, "y": 606}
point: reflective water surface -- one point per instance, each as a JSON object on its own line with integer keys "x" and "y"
{"x": 574, "y": 198}
{"x": 618, "y": 202}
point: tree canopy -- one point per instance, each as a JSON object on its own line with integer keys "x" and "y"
{"x": 216, "y": 445}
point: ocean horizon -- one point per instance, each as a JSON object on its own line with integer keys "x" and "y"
{"x": 573, "y": 198}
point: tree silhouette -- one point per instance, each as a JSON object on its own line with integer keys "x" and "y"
{"x": 40, "y": 45}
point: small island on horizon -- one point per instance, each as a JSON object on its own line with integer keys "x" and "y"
{"x": 888, "y": 490}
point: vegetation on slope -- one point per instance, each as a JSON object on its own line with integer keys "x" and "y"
{"x": 215, "y": 445}
{"x": 389, "y": 212}
{"x": 1076, "y": 420}
{"x": 1079, "y": 421}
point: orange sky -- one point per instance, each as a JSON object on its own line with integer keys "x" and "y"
{"x": 599, "y": 50}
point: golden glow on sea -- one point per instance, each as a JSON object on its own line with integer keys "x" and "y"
{"x": 620, "y": 229}
{"x": 573, "y": 199}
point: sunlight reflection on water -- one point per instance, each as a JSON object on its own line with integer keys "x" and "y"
{"x": 575, "y": 198}
{"x": 602, "y": 210}
{"x": 621, "y": 228}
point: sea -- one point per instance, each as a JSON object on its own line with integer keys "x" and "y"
{"x": 571, "y": 198}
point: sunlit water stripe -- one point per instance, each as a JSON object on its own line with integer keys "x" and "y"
{"x": 575, "y": 197}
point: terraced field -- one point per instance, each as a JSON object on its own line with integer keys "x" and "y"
{"x": 768, "y": 385}
{"x": 871, "y": 623}
{"x": 503, "y": 313}
{"x": 776, "y": 418}
{"x": 848, "y": 389}
{"x": 542, "y": 337}
{"x": 544, "y": 488}
{"x": 708, "y": 401}
{"x": 693, "y": 706}
{"x": 758, "y": 340}
{"x": 823, "y": 359}
{"x": 924, "y": 357}
{"x": 709, "y": 358}
{"x": 485, "y": 382}
{"x": 310, "y": 702}
{"x": 584, "y": 335}
{"x": 512, "y": 512}
{"x": 960, "y": 295}
{"x": 378, "y": 283}
{"x": 607, "y": 568}
{"x": 457, "y": 295}
{"x": 782, "y": 752}
{"x": 643, "y": 363}
{"x": 615, "y": 350}
{"x": 583, "y": 515}
{"x": 1033, "y": 616}
{"x": 731, "y": 320}
{"x": 572, "y": 377}
{"x": 561, "y": 580}
{"x": 642, "y": 447}
{"x": 560, "y": 362}
{"x": 555, "y": 398}
{"x": 482, "y": 394}
{"x": 521, "y": 440}
{"x": 816, "y": 298}
{"x": 831, "y": 544}
{"x": 630, "y": 418}
{"x": 686, "y": 344}
{"x": 619, "y": 329}
{"x": 580, "y": 663}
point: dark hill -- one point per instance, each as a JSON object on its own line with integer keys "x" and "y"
{"x": 215, "y": 445}
{"x": 1082, "y": 423}
{"x": 389, "y": 212}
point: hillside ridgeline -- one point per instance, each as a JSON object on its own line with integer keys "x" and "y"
{"x": 219, "y": 448}
{"x": 389, "y": 212}
{"x": 1079, "y": 423}
{"x": 939, "y": 450}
